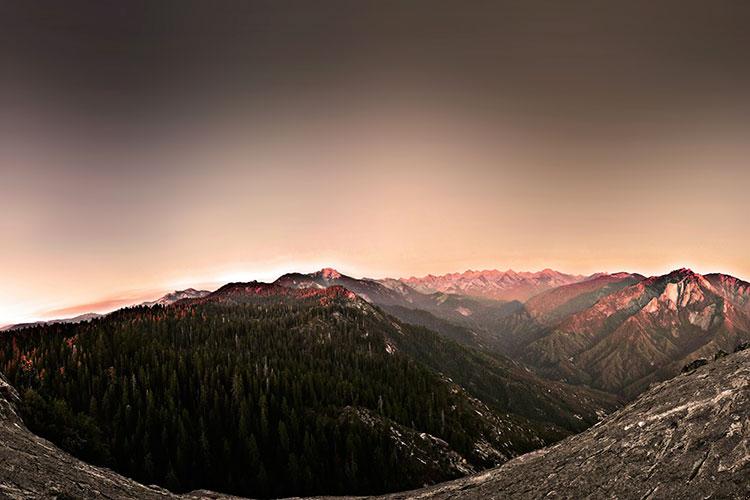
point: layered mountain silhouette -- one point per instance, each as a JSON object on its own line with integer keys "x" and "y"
{"x": 76, "y": 319}
{"x": 614, "y": 332}
{"x": 473, "y": 321}
{"x": 255, "y": 373}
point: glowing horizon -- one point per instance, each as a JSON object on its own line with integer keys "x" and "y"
{"x": 121, "y": 299}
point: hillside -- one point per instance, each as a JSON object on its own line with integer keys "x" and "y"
{"x": 477, "y": 322}
{"x": 555, "y": 304}
{"x": 643, "y": 332}
{"x": 307, "y": 387}
{"x": 684, "y": 438}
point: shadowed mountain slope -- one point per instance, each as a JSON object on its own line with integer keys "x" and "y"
{"x": 684, "y": 438}
{"x": 488, "y": 324}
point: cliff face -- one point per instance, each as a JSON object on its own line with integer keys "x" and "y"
{"x": 688, "y": 437}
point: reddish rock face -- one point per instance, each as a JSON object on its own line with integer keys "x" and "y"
{"x": 645, "y": 332}
{"x": 557, "y": 303}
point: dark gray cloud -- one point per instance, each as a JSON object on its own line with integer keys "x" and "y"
{"x": 548, "y": 57}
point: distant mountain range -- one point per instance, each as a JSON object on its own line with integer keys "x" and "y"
{"x": 616, "y": 332}
{"x": 494, "y": 284}
{"x": 165, "y": 300}
{"x": 76, "y": 319}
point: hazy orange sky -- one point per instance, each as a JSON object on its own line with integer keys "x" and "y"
{"x": 417, "y": 144}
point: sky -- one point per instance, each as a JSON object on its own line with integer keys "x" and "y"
{"x": 151, "y": 146}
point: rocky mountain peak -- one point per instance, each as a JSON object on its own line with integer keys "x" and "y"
{"x": 329, "y": 273}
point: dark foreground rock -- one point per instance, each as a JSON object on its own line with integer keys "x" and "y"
{"x": 688, "y": 437}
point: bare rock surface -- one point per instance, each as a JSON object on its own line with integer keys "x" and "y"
{"x": 688, "y": 437}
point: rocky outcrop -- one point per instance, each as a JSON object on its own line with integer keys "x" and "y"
{"x": 688, "y": 437}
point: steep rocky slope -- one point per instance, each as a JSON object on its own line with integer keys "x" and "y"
{"x": 642, "y": 333}
{"x": 687, "y": 438}
{"x": 735, "y": 290}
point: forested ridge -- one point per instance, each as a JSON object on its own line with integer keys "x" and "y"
{"x": 261, "y": 391}
{"x": 239, "y": 398}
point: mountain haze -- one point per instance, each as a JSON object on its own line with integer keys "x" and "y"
{"x": 493, "y": 284}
